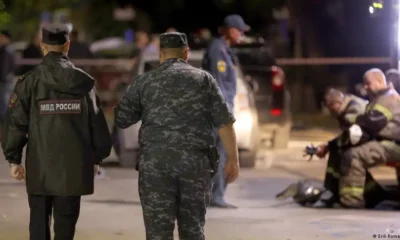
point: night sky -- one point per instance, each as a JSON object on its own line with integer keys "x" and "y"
{"x": 194, "y": 14}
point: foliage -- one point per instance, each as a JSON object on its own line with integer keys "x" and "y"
{"x": 95, "y": 16}
{"x": 101, "y": 23}
{"x": 25, "y": 14}
{"x": 4, "y": 16}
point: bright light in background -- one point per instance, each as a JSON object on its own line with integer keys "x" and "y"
{"x": 377, "y": 5}
{"x": 371, "y": 9}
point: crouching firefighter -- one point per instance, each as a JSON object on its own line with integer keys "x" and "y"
{"x": 345, "y": 108}
{"x": 373, "y": 140}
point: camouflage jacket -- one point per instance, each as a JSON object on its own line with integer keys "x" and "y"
{"x": 179, "y": 105}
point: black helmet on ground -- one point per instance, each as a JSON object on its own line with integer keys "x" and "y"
{"x": 305, "y": 192}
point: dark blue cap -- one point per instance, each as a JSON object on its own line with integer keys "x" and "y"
{"x": 236, "y": 21}
{"x": 173, "y": 40}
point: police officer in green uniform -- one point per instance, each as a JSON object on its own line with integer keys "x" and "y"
{"x": 345, "y": 108}
{"x": 54, "y": 110}
{"x": 374, "y": 139}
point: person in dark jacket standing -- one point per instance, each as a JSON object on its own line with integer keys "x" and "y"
{"x": 31, "y": 52}
{"x": 78, "y": 49}
{"x": 179, "y": 105}
{"x": 220, "y": 61}
{"x": 55, "y": 111}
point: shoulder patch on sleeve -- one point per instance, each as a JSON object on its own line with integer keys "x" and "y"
{"x": 221, "y": 66}
{"x": 13, "y": 100}
{"x": 23, "y": 76}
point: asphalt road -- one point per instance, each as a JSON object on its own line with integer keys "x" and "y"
{"x": 114, "y": 211}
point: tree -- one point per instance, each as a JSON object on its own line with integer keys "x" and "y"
{"x": 25, "y": 14}
{"x": 98, "y": 21}
{"x": 4, "y": 16}
{"x": 94, "y": 17}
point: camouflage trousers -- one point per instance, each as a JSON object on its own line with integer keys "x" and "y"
{"x": 373, "y": 192}
{"x": 353, "y": 170}
{"x": 174, "y": 186}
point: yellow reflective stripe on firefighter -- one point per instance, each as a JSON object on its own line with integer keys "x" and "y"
{"x": 388, "y": 114}
{"x": 331, "y": 171}
{"x": 354, "y": 191}
{"x": 391, "y": 145}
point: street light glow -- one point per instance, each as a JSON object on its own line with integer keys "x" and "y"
{"x": 377, "y": 5}
{"x": 371, "y": 9}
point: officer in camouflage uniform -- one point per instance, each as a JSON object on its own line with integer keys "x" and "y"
{"x": 54, "y": 110}
{"x": 345, "y": 108}
{"x": 179, "y": 106}
{"x": 373, "y": 140}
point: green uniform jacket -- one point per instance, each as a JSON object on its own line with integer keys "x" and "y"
{"x": 55, "y": 111}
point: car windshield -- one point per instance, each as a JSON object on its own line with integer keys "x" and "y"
{"x": 150, "y": 65}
